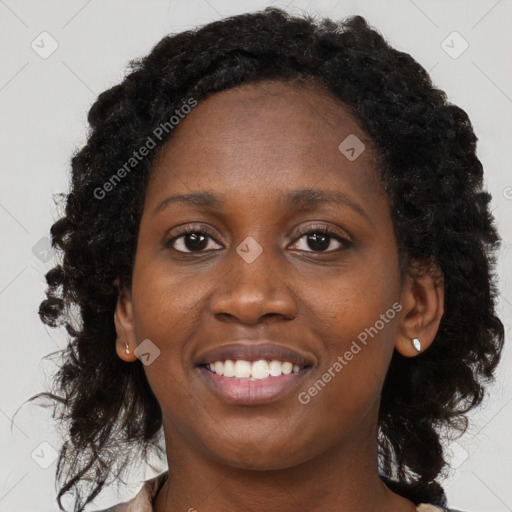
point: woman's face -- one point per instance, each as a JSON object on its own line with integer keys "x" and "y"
{"x": 263, "y": 171}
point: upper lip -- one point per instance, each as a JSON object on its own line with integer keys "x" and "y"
{"x": 254, "y": 351}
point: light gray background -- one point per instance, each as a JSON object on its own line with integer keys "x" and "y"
{"x": 43, "y": 107}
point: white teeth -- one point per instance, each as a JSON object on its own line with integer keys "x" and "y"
{"x": 255, "y": 370}
{"x": 275, "y": 368}
{"x": 260, "y": 369}
{"x": 242, "y": 369}
{"x": 229, "y": 369}
{"x": 287, "y": 368}
{"x": 219, "y": 367}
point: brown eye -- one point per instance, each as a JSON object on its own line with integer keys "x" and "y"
{"x": 321, "y": 240}
{"x": 192, "y": 241}
{"x": 318, "y": 241}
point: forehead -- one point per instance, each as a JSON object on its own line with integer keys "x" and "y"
{"x": 266, "y": 134}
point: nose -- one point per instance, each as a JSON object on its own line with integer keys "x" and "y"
{"x": 252, "y": 292}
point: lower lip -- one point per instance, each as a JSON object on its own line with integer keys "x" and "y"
{"x": 251, "y": 392}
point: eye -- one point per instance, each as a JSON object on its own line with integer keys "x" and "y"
{"x": 321, "y": 239}
{"x": 192, "y": 240}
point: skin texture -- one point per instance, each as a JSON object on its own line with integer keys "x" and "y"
{"x": 253, "y": 145}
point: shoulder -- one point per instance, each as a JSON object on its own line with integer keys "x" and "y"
{"x": 427, "y": 497}
{"x": 143, "y": 501}
{"x": 427, "y": 507}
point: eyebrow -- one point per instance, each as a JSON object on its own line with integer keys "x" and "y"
{"x": 304, "y": 199}
{"x": 201, "y": 199}
{"x": 307, "y": 199}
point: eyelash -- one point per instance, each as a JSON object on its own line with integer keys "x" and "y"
{"x": 187, "y": 231}
{"x": 324, "y": 230}
{"x": 320, "y": 230}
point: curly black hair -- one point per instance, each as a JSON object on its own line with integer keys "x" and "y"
{"x": 440, "y": 214}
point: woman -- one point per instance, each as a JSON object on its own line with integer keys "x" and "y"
{"x": 281, "y": 254}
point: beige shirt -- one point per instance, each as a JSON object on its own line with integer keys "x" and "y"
{"x": 143, "y": 502}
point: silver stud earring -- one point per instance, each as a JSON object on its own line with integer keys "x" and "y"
{"x": 127, "y": 349}
{"x": 417, "y": 344}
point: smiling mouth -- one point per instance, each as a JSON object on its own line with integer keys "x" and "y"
{"x": 253, "y": 372}
{"x": 260, "y": 369}
{"x": 251, "y": 383}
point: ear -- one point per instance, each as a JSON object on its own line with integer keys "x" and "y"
{"x": 123, "y": 320}
{"x": 422, "y": 302}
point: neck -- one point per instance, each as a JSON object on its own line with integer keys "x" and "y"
{"x": 344, "y": 478}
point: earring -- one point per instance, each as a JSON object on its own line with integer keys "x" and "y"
{"x": 417, "y": 344}
{"x": 127, "y": 349}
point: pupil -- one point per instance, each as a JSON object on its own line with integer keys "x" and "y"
{"x": 319, "y": 239}
{"x": 195, "y": 241}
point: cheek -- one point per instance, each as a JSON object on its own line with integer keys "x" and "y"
{"x": 166, "y": 312}
{"x": 165, "y": 302}
{"x": 356, "y": 317}
{"x": 353, "y": 300}
{"x": 345, "y": 392}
